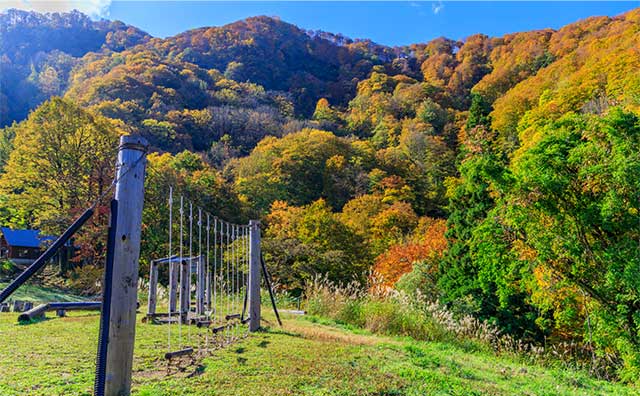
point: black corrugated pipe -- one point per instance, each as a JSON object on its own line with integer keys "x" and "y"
{"x": 105, "y": 314}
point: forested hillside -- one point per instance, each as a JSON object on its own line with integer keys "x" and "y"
{"x": 498, "y": 176}
{"x": 38, "y": 52}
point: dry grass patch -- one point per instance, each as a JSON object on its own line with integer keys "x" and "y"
{"x": 324, "y": 333}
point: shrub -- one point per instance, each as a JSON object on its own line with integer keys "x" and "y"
{"x": 391, "y": 312}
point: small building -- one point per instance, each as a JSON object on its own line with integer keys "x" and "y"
{"x": 23, "y": 247}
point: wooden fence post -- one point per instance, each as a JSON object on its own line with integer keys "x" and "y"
{"x": 254, "y": 275}
{"x": 153, "y": 288}
{"x": 185, "y": 290}
{"x": 174, "y": 269}
{"x": 200, "y": 286}
{"x": 124, "y": 295}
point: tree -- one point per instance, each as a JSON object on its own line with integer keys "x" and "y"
{"x": 471, "y": 197}
{"x": 576, "y": 207}
{"x": 428, "y": 244}
{"x": 303, "y": 242}
{"x": 62, "y": 160}
{"x": 324, "y": 112}
{"x": 199, "y": 184}
{"x": 298, "y": 168}
{"x": 478, "y": 111}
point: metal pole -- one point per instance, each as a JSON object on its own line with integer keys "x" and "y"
{"x": 130, "y": 196}
{"x": 254, "y": 275}
{"x": 44, "y": 257}
{"x": 267, "y": 279}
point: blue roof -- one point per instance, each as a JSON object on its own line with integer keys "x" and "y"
{"x": 25, "y": 238}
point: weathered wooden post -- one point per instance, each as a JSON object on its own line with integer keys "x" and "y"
{"x": 153, "y": 288}
{"x": 254, "y": 275}
{"x": 185, "y": 292}
{"x": 126, "y": 253}
{"x": 200, "y": 278}
{"x": 174, "y": 271}
{"x": 200, "y": 286}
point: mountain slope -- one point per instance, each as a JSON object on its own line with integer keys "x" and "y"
{"x": 38, "y": 52}
{"x": 278, "y": 56}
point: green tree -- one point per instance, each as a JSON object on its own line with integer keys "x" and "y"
{"x": 471, "y": 198}
{"x": 576, "y": 204}
{"x": 198, "y": 183}
{"x": 478, "y": 111}
{"x": 62, "y": 160}
{"x": 298, "y": 168}
{"x": 302, "y": 242}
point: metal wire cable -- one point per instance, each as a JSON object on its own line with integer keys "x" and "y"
{"x": 190, "y": 277}
{"x": 117, "y": 178}
{"x": 181, "y": 271}
{"x": 171, "y": 280}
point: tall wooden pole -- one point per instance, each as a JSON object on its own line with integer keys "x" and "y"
{"x": 254, "y": 275}
{"x": 185, "y": 292}
{"x": 122, "y": 326}
{"x": 174, "y": 268}
{"x": 200, "y": 279}
{"x": 153, "y": 288}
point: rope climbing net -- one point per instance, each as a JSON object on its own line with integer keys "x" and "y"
{"x": 207, "y": 265}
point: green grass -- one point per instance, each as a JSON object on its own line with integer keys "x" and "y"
{"x": 37, "y": 293}
{"x": 306, "y": 357}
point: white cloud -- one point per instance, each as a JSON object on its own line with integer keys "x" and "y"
{"x": 418, "y": 7}
{"x": 93, "y": 8}
{"x": 437, "y": 7}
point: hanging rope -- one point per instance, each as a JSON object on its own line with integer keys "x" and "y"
{"x": 208, "y": 275}
{"x": 215, "y": 269}
{"x": 219, "y": 258}
{"x": 228, "y": 291}
{"x": 190, "y": 277}
{"x": 171, "y": 274}
{"x": 181, "y": 271}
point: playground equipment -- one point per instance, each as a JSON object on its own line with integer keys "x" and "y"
{"x": 39, "y": 311}
{"x": 118, "y": 307}
{"x": 227, "y": 268}
{"x": 209, "y": 264}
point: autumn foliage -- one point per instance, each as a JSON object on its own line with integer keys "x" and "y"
{"x": 428, "y": 243}
{"x": 498, "y": 174}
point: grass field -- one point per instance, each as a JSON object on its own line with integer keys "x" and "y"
{"x": 37, "y": 293}
{"x": 57, "y": 356}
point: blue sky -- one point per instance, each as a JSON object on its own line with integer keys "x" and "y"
{"x": 391, "y": 23}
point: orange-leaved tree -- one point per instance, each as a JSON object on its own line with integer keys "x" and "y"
{"x": 427, "y": 243}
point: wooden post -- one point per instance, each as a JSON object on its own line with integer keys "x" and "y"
{"x": 185, "y": 293}
{"x": 254, "y": 275}
{"x": 207, "y": 290}
{"x": 200, "y": 286}
{"x": 124, "y": 295}
{"x": 153, "y": 287}
{"x": 174, "y": 270}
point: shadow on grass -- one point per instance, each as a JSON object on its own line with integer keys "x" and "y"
{"x": 199, "y": 370}
{"x": 33, "y": 321}
{"x": 269, "y": 330}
